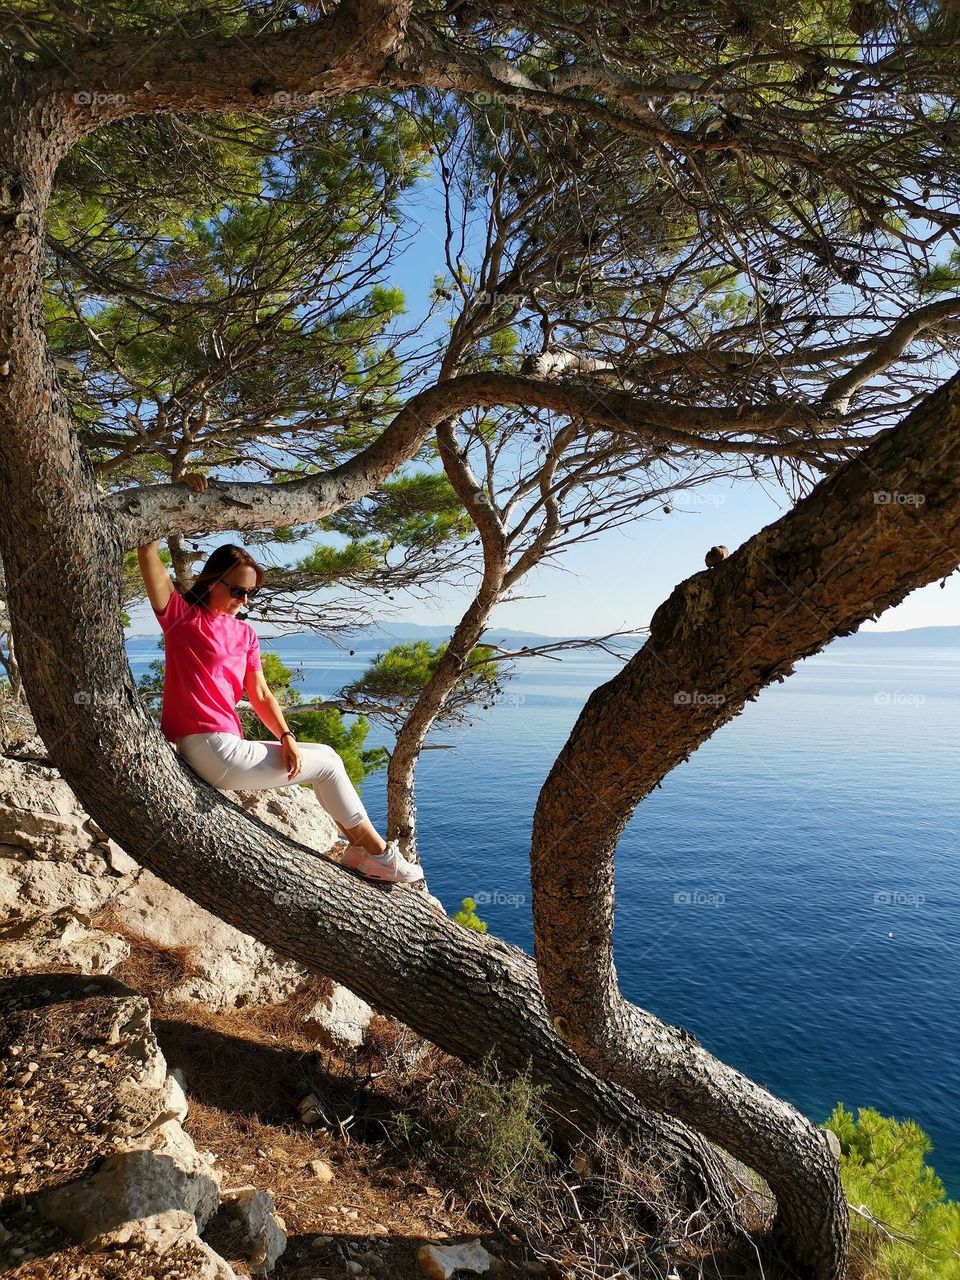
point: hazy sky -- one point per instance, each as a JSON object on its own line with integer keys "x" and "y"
{"x": 617, "y": 581}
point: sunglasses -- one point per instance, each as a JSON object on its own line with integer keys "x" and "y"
{"x": 238, "y": 593}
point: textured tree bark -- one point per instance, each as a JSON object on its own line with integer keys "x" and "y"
{"x": 882, "y": 524}
{"x": 401, "y": 771}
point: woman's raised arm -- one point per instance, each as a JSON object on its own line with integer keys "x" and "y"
{"x": 156, "y": 579}
{"x": 155, "y": 576}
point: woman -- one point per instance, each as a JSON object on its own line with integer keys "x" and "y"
{"x": 212, "y": 656}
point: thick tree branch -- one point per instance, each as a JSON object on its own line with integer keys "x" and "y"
{"x": 115, "y": 76}
{"x": 155, "y": 510}
{"x": 886, "y": 522}
{"x": 836, "y": 399}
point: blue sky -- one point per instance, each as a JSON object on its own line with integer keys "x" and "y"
{"x": 617, "y": 581}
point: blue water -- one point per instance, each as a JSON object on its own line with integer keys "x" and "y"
{"x": 790, "y": 894}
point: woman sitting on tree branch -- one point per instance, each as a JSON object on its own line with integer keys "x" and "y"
{"x": 212, "y": 656}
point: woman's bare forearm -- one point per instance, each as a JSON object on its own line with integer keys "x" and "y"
{"x": 269, "y": 713}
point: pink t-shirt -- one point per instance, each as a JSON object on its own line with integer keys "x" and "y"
{"x": 208, "y": 657}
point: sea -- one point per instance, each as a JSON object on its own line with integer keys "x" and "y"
{"x": 791, "y": 894}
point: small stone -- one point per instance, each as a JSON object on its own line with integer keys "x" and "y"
{"x": 321, "y": 1170}
{"x": 263, "y": 1228}
{"x": 439, "y": 1262}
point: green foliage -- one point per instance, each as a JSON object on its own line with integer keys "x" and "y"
{"x": 227, "y": 273}
{"x": 336, "y": 564}
{"x": 417, "y": 510}
{"x": 324, "y": 725}
{"x": 467, "y": 916}
{"x": 403, "y": 671}
{"x": 942, "y": 278}
{"x": 884, "y": 1173}
{"x": 495, "y": 1132}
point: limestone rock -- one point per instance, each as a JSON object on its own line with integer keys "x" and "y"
{"x": 341, "y": 1018}
{"x": 155, "y": 1174}
{"x": 87, "y": 1105}
{"x": 440, "y": 1261}
{"x": 257, "y": 1234}
{"x": 160, "y": 1231}
{"x": 311, "y": 1110}
{"x": 54, "y": 857}
{"x": 173, "y": 1101}
{"x": 61, "y": 941}
{"x": 294, "y": 811}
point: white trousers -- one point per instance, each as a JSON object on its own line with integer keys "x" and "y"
{"x": 231, "y": 763}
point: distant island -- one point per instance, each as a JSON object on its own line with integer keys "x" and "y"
{"x": 383, "y": 635}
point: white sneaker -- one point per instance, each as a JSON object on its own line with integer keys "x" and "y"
{"x": 390, "y": 865}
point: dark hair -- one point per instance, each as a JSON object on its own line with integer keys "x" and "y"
{"x": 218, "y": 565}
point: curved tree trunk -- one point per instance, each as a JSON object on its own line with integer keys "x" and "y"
{"x": 882, "y": 524}
{"x": 467, "y": 993}
{"x": 401, "y": 771}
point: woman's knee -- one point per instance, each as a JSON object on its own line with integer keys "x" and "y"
{"x": 325, "y": 756}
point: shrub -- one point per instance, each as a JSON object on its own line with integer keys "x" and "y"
{"x": 467, "y": 916}
{"x": 902, "y": 1225}
{"x": 495, "y": 1128}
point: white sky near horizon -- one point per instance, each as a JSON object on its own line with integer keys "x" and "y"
{"x": 618, "y": 580}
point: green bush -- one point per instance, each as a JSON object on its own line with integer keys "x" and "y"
{"x": 894, "y": 1193}
{"x": 467, "y": 916}
{"x": 495, "y": 1131}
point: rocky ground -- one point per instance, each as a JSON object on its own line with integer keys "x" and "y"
{"x": 177, "y": 1101}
